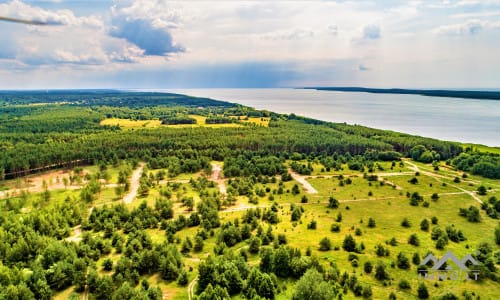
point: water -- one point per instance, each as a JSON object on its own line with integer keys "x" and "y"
{"x": 454, "y": 119}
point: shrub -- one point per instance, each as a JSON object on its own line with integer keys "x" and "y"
{"x": 325, "y": 244}
{"x": 335, "y": 227}
{"x": 404, "y": 284}
{"x": 413, "y": 240}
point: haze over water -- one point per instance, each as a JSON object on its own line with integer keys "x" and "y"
{"x": 454, "y": 119}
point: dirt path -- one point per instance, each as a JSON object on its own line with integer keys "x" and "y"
{"x": 302, "y": 180}
{"x": 77, "y": 234}
{"x": 438, "y": 177}
{"x": 216, "y": 177}
{"x": 191, "y": 286}
{"x": 134, "y": 184}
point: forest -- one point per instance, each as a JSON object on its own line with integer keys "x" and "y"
{"x": 193, "y": 198}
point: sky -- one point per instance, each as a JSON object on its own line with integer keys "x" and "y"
{"x": 244, "y": 44}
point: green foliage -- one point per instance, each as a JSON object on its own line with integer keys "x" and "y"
{"x": 325, "y": 244}
{"x": 313, "y": 286}
{"x": 333, "y": 203}
{"x": 349, "y": 244}
{"x": 472, "y": 214}
{"x": 422, "y": 291}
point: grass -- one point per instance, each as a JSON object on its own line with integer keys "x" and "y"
{"x": 482, "y": 148}
{"x": 200, "y": 121}
{"x": 131, "y": 124}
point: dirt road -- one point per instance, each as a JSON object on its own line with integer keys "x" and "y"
{"x": 134, "y": 184}
{"x": 216, "y": 177}
{"x": 302, "y": 180}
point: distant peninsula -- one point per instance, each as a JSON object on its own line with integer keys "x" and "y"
{"x": 488, "y": 95}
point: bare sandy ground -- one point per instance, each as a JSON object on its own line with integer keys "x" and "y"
{"x": 302, "y": 180}
{"x": 216, "y": 177}
{"x": 134, "y": 184}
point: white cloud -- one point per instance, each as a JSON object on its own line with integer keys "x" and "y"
{"x": 147, "y": 24}
{"x": 471, "y": 27}
{"x": 81, "y": 40}
{"x": 371, "y": 32}
{"x": 292, "y": 34}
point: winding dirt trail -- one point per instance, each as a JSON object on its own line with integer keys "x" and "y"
{"x": 191, "y": 286}
{"x": 134, "y": 184}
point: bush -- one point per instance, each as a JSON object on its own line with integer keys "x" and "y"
{"x": 406, "y": 223}
{"x": 312, "y": 224}
{"x": 325, "y": 244}
{"x": 424, "y": 225}
{"x": 349, "y": 244}
{"x": 335, "y": 227}
{"x": 404, "y": 284}
{"x": 368, "y": 267}
{"x": 422, "y": 291}
{"x": 481, "y": 190}
{"x": 380, "y": 272}
{"x": 413, "y": 240}
{"x": 107, "y": 264}
{"x": 371, "y": 223}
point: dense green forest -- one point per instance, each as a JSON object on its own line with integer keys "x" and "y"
{"x": 184, "y": 236}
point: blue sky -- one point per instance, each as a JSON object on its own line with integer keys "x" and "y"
{"x": 190, "y": 44}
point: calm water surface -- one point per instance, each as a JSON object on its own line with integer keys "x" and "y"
{"x": 463, "y": 120}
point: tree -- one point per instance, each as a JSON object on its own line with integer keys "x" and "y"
{"x": 312, "y": 224}
{"x": 497, "y": 234}
{"x": 413, "y": 240}
{"x": 107, "y": 264}
{"x": 371, "y": 222}
{"x": 368, "y": 267}
{"x": 424, "y": 225}
{"x": 325, "y": 244}
{"x": 312, "y": 286}
{"x": 416, "y": 258}
{"x": 254, "y": 245}
{"x": 333, "y": 203}
{"x": 435, "y": 196}
{"x": 183, "y": 278}
{"x": 380, "y": 272}
{"x": 406, "y": 223}
{"x": 198, "y": 243}
{"x": 402, "y": 261}
{"x": 281, "y": 264}
{"x": 422, "y": 291}
{"x": 349, "y": 243}
{"x": 481, "y": 190}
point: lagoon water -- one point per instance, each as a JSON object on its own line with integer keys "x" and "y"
{"x": 454, "y": 119}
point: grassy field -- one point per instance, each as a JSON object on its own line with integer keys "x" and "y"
{"x": 131, "y": 124}
{"x": 200, "y": 121}
{"x": 482, "y": 148}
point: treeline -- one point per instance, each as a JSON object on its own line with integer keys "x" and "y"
{"x": 434, "y": 93}
{"x": 177, "y": 120}
{"x": 484, "y": 164}
{"x": 219, "y": 120}
{"x": 108, "y": 98}
{"x": 23, "y": 152}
